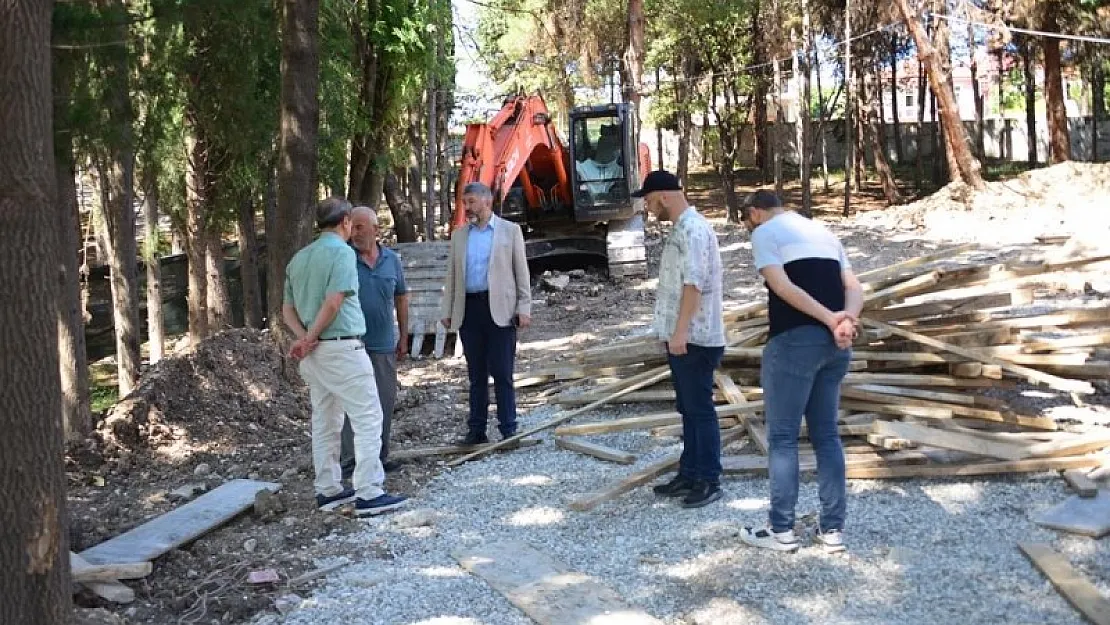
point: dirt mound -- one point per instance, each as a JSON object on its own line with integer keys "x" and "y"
{"x": 225, "y": 392}
{"x": 1065, "y": 199}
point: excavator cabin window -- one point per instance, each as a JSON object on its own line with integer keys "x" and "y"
{"x": 599, "y": 160}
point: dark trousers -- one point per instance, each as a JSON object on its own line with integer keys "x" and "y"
{"x": 692, "y": 374}
{"x": 490, "y": 350}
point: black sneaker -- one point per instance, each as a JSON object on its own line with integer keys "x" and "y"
{"x": 328, "y": 504}
{"x": 680, "y": 486}
{"x": 389, "y": 466}
{"x": 378, "y": 505}
{"x": 474, "y": 438}
{"x": 701, "y": 494}
{"x": 511, "y": 434}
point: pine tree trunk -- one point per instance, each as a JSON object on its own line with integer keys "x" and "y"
{"x": 870, "y": 128}
{"x": 898, "y": 152}
{"x": 849, "y": 104}
{"x": 1027, "y": 61}
{"x": 432, "y": 157}
{"x": 116, "y": 162}
{"x": 402, "y": 211}
{"x": 1059, "y": 139}
{"x": 980, "y": 150}
{"x": 634, "y": 60}
{"x": 919, "y": 166}
{"x": 1098, "y": 106}
{"x": 76, "y": 414}
{"x": 760, "y": 85}
{"x": 220, "y": 316}
{"x": 777, "y": 129}
{"x": 968, "y": 165}
{"x": 196, "y": 247}
{"x": 802, "y": 65}
{"x": 155, "y": 327}
{"x": 34, "y": 551}
{"x": 705, "y": 145}
{"x": 942, "y": 36}
{"x": 297, "y": 163}
{"x": 821, "y": 124}
{"x": 659, "y": 126}
{"x": 248, "y": 265}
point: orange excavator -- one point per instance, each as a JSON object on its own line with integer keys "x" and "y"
{"x": 574, "y": 200}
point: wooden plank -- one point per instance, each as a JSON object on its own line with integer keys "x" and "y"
{"x": 547, "y": 590}
{"x": 1032, "y": 375}
{"x": 946, "y": 439}
{"x": 1051, "y": 345}
{"x": 1079, "y": 515}
{"x": 179, "y": 526}
{"x": 1084, "y": 443}
{"x": 940, "y": 307}
{"x": 676, "y": 431}
{"x": 914, "y": 379}
{"x": 81, "y": 571}
{"x": 642, "y": 397}
{"x": 1078, "y": 590}
{"x": 600, "y": 452}
{"x": 1080, "y": 483}
{"x": 902, "y": 290}
{"x": 646, "y": 422}
{"x": 951, "y": 398}
{"x": 1035, "y": 465}
{"x": 560, "y": 419}
{"x": 448, "y": 450}
{"x": 756, "y": 464}
{"x": 952, "y": 409}
{"x": 641, "y": 477}
{"x": 895, "y": 269}
{"x": 109, "y": 591}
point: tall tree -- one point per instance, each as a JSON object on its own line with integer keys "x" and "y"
{"x": 850, "y": 93}
{"x": 34, "y": 553}
{"x": 114, "y": 158}
{"x": 248, "y": 264}
{"x": 156, "y": 328}
{"x": 76, "y": 414}
{"x": 950, "y": 119}
{"x": 1028, "y": 61}
{"x": 1059, "y": 142}
{"x": 942, "y": 59}
{"x": 803, "y": 68}
{"x": 300, "y": 123}
{"x": 634, "y": 61}
{"x": 973, "y": 53}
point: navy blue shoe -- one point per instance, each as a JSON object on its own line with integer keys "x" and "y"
{"x": 328, "y": 504}
{"x": 378, "y": 505}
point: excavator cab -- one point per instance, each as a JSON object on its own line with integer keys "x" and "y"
{"x": 605, "y": 167}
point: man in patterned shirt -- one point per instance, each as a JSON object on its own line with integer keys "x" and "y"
{"x": 689, "y": 320}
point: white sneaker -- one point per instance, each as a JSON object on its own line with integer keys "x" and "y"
{"x": 767, "y": 539}
{"x": 832, "y": 540}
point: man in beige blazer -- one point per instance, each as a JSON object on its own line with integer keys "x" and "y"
{"x": 487, "y": 296}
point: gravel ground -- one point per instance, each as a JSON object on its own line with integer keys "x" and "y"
{"x": 921, "y": 551}
{"x": 934, "y": 551}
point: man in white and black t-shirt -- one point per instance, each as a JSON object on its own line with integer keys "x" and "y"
{"x": 814, "y": 301}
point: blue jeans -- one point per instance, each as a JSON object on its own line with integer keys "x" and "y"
{"x": 490, "y": 351}
{"x": 692, "y": 374}
{"x": 801, "y": 374}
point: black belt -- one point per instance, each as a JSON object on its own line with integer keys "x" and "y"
{"x": 478, "y": 295}
{"x": 342, "y": 338}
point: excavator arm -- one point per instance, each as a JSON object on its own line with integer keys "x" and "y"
{"x": 519, "y": 142}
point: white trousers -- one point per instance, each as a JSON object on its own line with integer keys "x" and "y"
{"x": 340, "y": 380}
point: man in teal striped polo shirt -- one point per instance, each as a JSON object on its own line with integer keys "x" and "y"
{"x": 321, "y": 308}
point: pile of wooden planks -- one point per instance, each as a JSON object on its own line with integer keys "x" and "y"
{"x": 944, "y": 337}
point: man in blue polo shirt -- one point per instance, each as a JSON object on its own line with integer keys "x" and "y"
{"x": 383, "y": 296}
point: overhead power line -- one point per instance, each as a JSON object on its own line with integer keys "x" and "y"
{"x": 1024, "y": 31}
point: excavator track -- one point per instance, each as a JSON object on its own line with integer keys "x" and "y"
{"x": 624, "y": 247}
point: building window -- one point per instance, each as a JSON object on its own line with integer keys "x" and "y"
{"x": 909, "y": 99}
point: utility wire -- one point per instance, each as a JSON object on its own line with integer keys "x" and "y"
{"x": 1025, "y": 31}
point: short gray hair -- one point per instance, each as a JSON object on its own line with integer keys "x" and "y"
{"x": 479, "y": 189}
{"x": 369, "y": 213}
{"x": 331, "y": 212}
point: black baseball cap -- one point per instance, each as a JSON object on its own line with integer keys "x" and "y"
{"x": 658, "y": 180}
